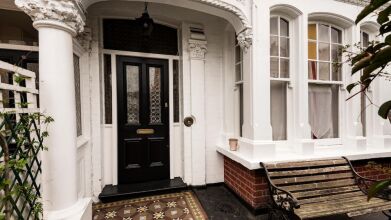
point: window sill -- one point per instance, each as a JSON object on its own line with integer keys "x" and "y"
{"x": 328, "y": 142}
{"x": 325, "y": 82}
{"x": 280, "y": 79}
{"x": 286, "y": 155}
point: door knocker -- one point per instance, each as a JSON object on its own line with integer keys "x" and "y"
{"x": 188, "y": 121}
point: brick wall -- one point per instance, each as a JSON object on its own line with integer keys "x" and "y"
{"x": 374, "y": 171}
{"x": 252, "y": 186}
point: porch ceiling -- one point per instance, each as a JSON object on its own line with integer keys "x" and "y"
{"x": 8, "y": 4}
{"x": 233, "y": 13}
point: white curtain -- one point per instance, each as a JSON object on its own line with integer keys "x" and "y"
{"x": 278, "y": 110}
{"x": 323, "y": 115}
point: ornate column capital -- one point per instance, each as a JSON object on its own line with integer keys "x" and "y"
{"x": 245, "y": 38}
{"x": 66, "y": 12}
{"x": 197, "y": 43}
{"x": 85, "y": 38}
{"x": 197, "y": 49}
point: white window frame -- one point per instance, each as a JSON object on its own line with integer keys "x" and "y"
{"x": 287, "y": 80}
{"x": 279, "y": 57}
{"x": 237, "y": 96}
{"x": 368, "y": 111}
{"x": 337, "y": 140}
{"x": 317, "y": 41}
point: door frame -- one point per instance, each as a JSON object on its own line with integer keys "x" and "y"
{"x": 114, "y": 125}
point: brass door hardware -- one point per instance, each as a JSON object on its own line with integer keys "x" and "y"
{"x": 188, "y": 121}
{"x": 145, "y": 131}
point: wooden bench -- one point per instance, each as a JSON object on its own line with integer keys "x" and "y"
{"x": 318, "y": 188}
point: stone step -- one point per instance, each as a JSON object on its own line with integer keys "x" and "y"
{"x": 111, "y": 193}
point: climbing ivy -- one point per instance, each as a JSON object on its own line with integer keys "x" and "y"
{"x": 20, "y": 166}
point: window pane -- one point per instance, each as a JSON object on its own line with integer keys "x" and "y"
{"x": 241, "y": 117}
{"x": 312, "y": 67}
{"x": 273, "y": 46}
{"x": 155, "y": 105}
{"x": 284, "y": 68}
{"x": 238, "y": 72}
{"x": 278, "y": 110}
{"x": 363, "y": 114}
{"x": 284, "y": 49}
{"x": 274, "y": 26}
{"x": 284, "y": 28}
{"x": 274, "y": 67}
{"x": 108, "y": 88}
{"x": 323, "y": 110}
{"x": 312, "y": 51}
{"x": 336, "y": 72}
{"x": 365, "y": 40}
{"x": 76, "y": 66}
{"x": 336, "y": 53}
{"x": 133, "y": 97}
{"x": 324, "y": 51}
{"x": 324, "y": 71}
{"x": 336, "y": 35}
{"x": 312, "y": 32}
{"x": 324, "y": 33}
{"x": 238, "y": 54}
{"x": 176, "y": 90}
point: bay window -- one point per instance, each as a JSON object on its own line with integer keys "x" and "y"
{"x": 324, "y": 75}
{"x": 279, "y": 74}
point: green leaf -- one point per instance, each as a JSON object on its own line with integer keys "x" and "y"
{"x": 388, "y": 39}
{"x": 377, "y": 187}
{"x": 383, "y": 15}
{"x": 375, "y": 4}
{"x": 380, "y": 59}
{"x": 361, "y": 64}
{"x": 377, "y": 47}
{"x": 351, "y": 86}
{"x": 384, "y": 109}
{"x": 359, "y": 57}
{"x": 385, "y": 28}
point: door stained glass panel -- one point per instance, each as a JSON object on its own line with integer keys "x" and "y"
{"x": 133, "y": 94}
{"x": 155, "y": 95}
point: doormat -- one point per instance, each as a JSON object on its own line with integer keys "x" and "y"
{"x": 175, "y": 206}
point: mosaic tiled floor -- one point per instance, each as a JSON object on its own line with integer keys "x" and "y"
{"x": 175, "y": 206}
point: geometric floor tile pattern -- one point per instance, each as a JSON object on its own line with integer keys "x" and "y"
{"x": 174, "y": 206}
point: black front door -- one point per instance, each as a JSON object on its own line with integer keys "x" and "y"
{"x": 143, "y": 119}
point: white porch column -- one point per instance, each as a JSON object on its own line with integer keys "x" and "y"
{"x": 57, "y": 22}
{"x": 257, "y": 130}
{"x": 194, "y": 105}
